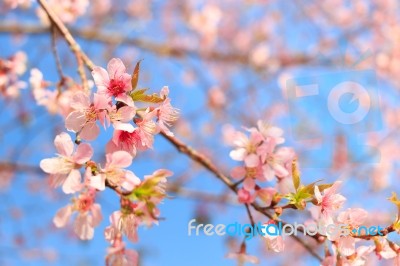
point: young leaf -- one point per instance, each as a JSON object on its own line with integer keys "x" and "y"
{"x": 295, "y": 175}
{"x": 135, "y": 75}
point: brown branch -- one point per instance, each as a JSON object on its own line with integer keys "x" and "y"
{"x": 204, "y": 161}
{"x": 161, "y": 49}
{"x": 73, "y": 45}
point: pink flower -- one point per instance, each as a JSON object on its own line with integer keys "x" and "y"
{"x": 147, "y": 128}
{"x": 67, "y": 10}
{"x": 353, "y": 216}
{"x": 10, "y": 70}
{"x": 125, "y": 223}
{"x": 274, "y": 241}
{"x": 383, "y": 250}
{"x": 64, "y": 169}
{"x": 124, "y": 141}
{"x": 329, "y": 202}
{"x": 246, "y": 149}
{"x": 121, "y": 117}
{"x": 245, "y": 196}
{"x": 271, "y": 132}
{"x": 83, "y": 119}
{"x": 166, "y": 113}
{"x": 116, "y": 176}
{"x": 118, "y": 255}
{"x": 89, "y": 215}
{"x": 114, "y": 83}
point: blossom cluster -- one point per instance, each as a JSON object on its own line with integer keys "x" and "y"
{"x": 115, "y": 104}
{"x": 263, "y": 161}
{"x": 11, "y": 70}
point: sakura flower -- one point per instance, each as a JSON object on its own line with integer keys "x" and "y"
{"x": 88, "y": 215}
{"x": 245, "y": 196}
{"x": 113, "y": 82}
{"x": 67, "y": 10}
{"x": 125, "y": 222}
{"x": 115, "y": 175}
{"x": 64, "y": 169}
{"x": 273, "y": 240}
{"x": 121, "y": 117}
{"x": 329, "y": 202}
{"x": 275, "y": 162}
{"x": 269, "y": 131}
{"x": 10, "y": 70}
{"x": 166, "y": 113}
{"x": 384, "y": 250}
{"x": 118, "y": 255}
{"x": 124, "y": 141}
{"x": 246, "y": 149}
{"x": 83, "y": 119}
{"x": 11, "y": 4}
{"x": 146, "y": 129}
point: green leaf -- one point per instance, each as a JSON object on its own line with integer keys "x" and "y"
{"x": 141, "y": 96}
{"x": 135, "y": 75}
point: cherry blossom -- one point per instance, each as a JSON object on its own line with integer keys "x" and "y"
{"x": 118, "y": 255}
{"x": 88, "y": 215}
{"x": 67, "y": 10}
{"x": 64, "y": 169}
{"x": 166, "y": 113}
{"x": 10, "y": 71}
{"x": 113, "y": 82}
{"x": 329, "y": 202}
{"x": 245, "y": 196}
{"x": 115, "y": 175}
{"x": 83, "y": 119}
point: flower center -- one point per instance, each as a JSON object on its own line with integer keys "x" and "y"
{"x": 129, "y": 139}
{"x": 116, "y": 87}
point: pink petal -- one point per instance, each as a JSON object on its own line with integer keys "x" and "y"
{"x": 62, "y": 216}
{"x": 73, "y": 182}
{"x": 268, "y": 173}
{"x": 317, "y": 194}
{"x": 249, "y": 183}
{"x": 238, "y": 172}
{"x": 82, "y": 226}
{"x": 100, "y": 101}
{"x": 80, "y": 101}
{"x": 131, "y": 181}
{"x": 120, "y": 159}
{"x": 101, "y": 79}
{"x": 83, "y": 153}
{"x": 123, "y": 127}
{"x": 90, "y": 131}
{"x": 238, "y": 154}
{"x": 96, "y": 213}
{"x": 75, "y": 121}
{"x": 116, "y": 68}
{"x": 280, "y": 170}
{"x": 347, "y": 245}
{"x": 53, "y": 166}
{"x": 98, "y": 182}
{"x": 251, "y": 160}
{"x": 64, "y": 144}
{"x": 126, "y": 113}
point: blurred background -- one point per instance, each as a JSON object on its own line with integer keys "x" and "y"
{"x": 227, "y": 63}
